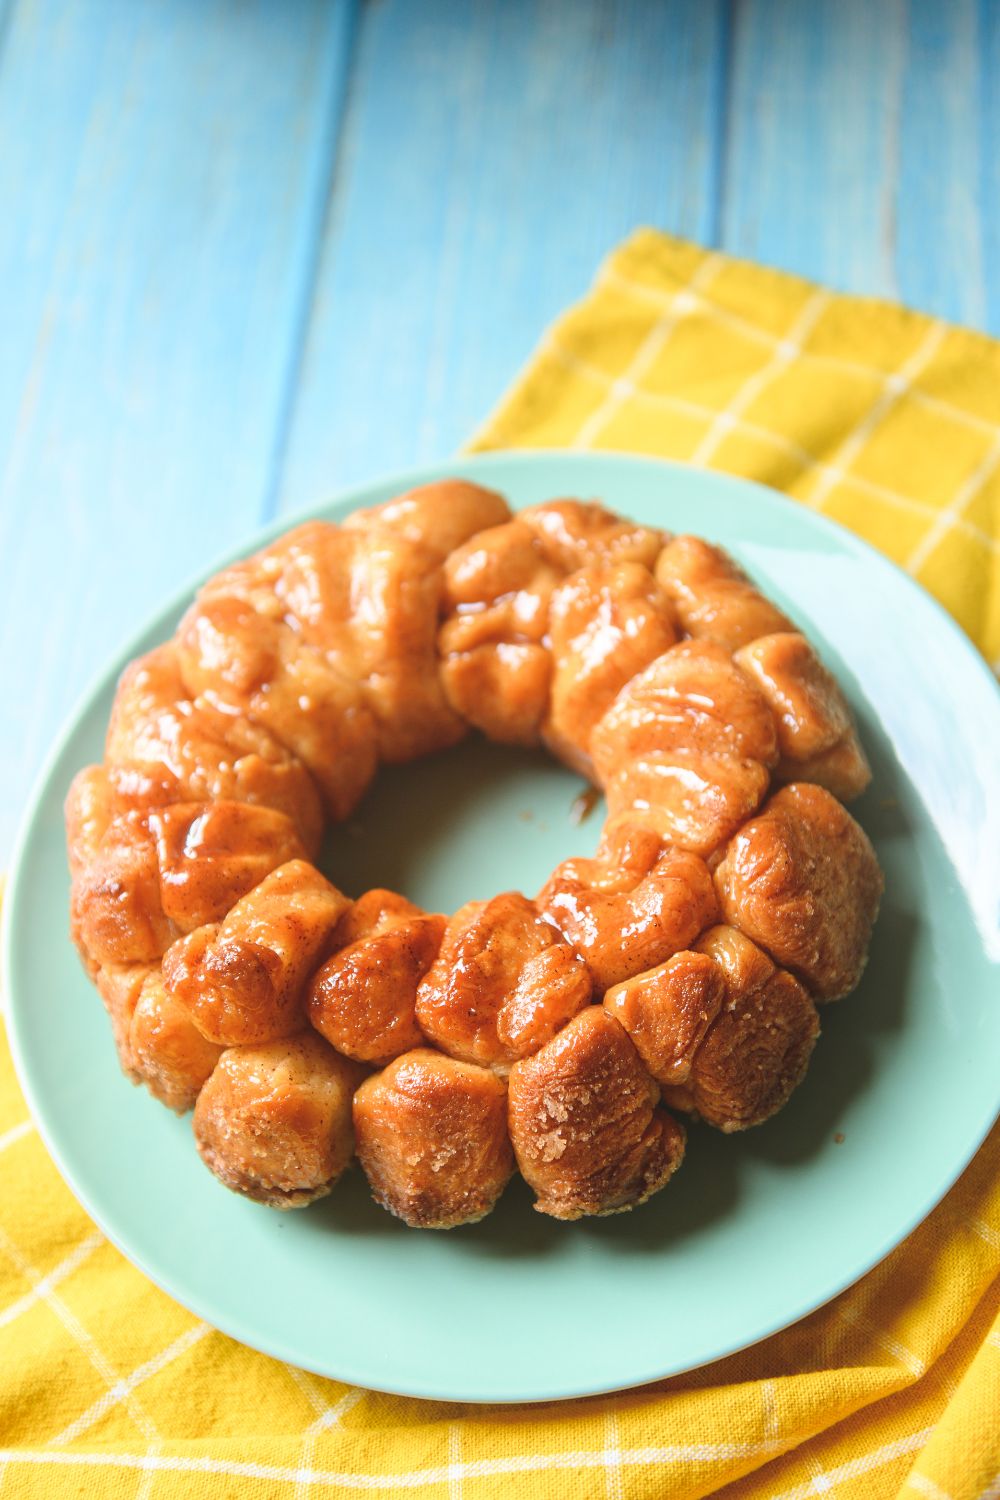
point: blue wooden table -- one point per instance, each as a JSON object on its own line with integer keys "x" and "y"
{"x": 254, "y": 250}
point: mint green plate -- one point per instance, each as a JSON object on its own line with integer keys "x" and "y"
{"x": 756, "y": 1230}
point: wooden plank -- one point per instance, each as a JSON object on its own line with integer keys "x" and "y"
{"x": 812, "y": 139}
{"x": 163, "y": 171}
{"x": 493, "y": 152}
{"x": 987, "y": 188}
{"x": 863, "y": 147}
{"x": 939, "y": 208}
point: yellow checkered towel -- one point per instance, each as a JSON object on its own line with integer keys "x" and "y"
{"x": 889, "y": 422}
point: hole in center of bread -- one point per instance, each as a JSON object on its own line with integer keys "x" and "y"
{"x": 463, "y": 825}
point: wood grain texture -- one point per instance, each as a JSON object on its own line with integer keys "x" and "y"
{"x": 984, "y": 191}
{"x": 939, "y": 240}
{"x": 163, "y": 168}
{"x": 494, "y": 151}
{"x": 863, "y": 147}
{"x": 812, "y": 145}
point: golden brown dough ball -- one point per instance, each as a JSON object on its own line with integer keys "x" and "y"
{"x": 667, "y": 1011}
{"x": 367, "y": 597}
{"x": 574, "y": 533}
{"x": 170, "y": 1054}
{"x": 727, "y": 1033}
{"x": 399, "y": 587}
{"x": 210, "y": 855}
{"x": 499, "y": 566}
{"x": 344, "y": 622}
{"x": 631, "y": 906}
{"x": 261, "y": 671}
{"x": 243, "y": 980}
{"x": 273, "y": 1122}
{"x": 495, "y": 662}
{"x": 432, "y": 1139}
{"x": 606, "y": 622}
{"x": 89, "y": 807}
{"x": 757, "y": 1049}
{"x": 140, "y": 879}
{"x": 362, "y": 999}
{"x": 439, "y": 516}
{"x": 88, "y": 811}
{"x": 687, "y": 747}
{"x": 816, "y": 733}
{"x": 116, "y": 910}
{"x": 586, "y": 1131}
{"x": 165, "y": 745}
{"x": 501, "y": 688}
{"x": 802, "y": 880}
{"x": 119, "y": 986}
{"x": 714, "y": 598}
{"x": 502, "y": 984}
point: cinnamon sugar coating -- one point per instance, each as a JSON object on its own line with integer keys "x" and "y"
{"x": 495, "y": 665}
{"x": 495, "y": 642}
{"x": 142, "y": 878}
{"x": 239, "y": 980}
{"x": 725, "y": 1031}
{"x": 502, "y": 984}
{"x": 574, "y": 533}
{"x": 432, "y": 1139}
{"x": 363, "y": 999}
{"x": 631, "y": 906}
{"x": 606, "y": 622}
{"x": 170, "y": 1054}
{"x": 166, "y": 744}
{"x": 273, "y": 1121}
{"x": 803, "y": 882}
{"x": 584, "y": 1122}
{"x": 440, "y": 516}
{"x": 668, "y": 1010}
{"x": 816, "y": 733}
{"x": 254, "y": 667}
{"x": 713, "y": 597}
{"x": 687, "y": 747}
{"x": 243, "y": 980}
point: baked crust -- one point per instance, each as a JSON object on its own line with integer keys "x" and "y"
{"x": 503, "y": 983}
{"x": 713, "y": 597}
{"x": 165, "y": 744}
{"x": 243, "y": 980}
{"x": 587, "y": 1134}
{"x": 273, "y": 1121}
{"x": 240, "y": 981}
{"x": 687, "y": 747}
{"x": 432, "y": 1139}
{"x": 816, "y": 733}
{"x": 363, "y": 999}
{"x": 606, "y": 623}
{"x": 803, "y": 882}
{"x": 631, "y": 906}
{"x": 725, "y": 1031}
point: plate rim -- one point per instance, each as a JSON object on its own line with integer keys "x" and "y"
{"x": 354, "y": 497}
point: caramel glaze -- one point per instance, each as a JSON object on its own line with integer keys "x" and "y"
{"x": 725, "y": 1031}
{"x": 241, "y": 982}
{"x": 803, "y": 882}
{"x": 503, "y": 983}
{"x": 630, "y": 909}
{"x": 363, "y": 999}
{"x": 273, "y": 1121}
{"x": 587, "y": 1133}
{"x": 432, "y": 1139}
